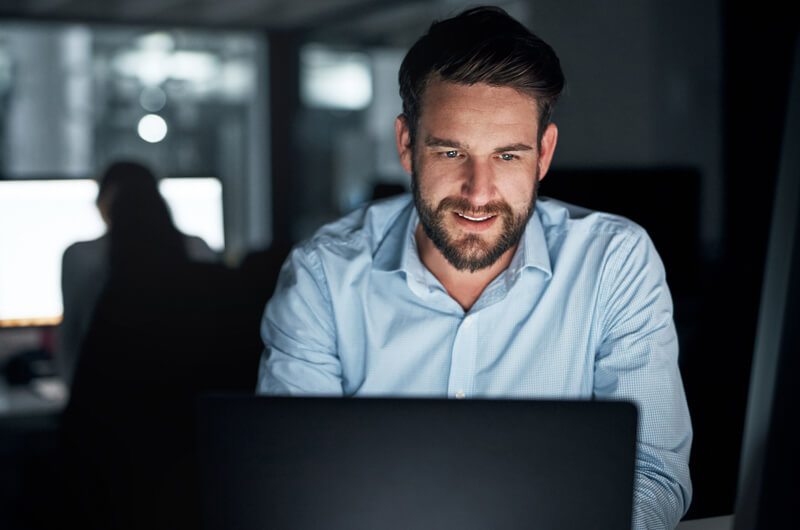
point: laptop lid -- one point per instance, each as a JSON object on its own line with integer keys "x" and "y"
{"x": 333, "y": 463}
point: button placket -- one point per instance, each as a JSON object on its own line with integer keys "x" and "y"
{"x": 462, "y": 362}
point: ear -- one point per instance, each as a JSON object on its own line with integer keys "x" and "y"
{"x": 403, "y": 136}
{"x": 546, "y": 149}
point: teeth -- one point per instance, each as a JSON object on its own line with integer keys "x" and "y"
{"x": 473, "y": 218}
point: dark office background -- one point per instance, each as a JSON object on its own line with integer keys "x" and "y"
{"x": 673, "y": 116}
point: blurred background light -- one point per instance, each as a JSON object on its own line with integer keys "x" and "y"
{"x": 196, "y": 207}
{"x": 194, "y": 66}
{"x": 157, "y": 40}
{"x": 237, "y": 78}
{"x": 154, "y": 66}
{"x": 153, "y": 99}
{"x": 334, "y": 79}
{"x": 152, "y": 128}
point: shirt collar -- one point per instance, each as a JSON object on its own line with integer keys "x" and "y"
{"x": 398, "y": 251}
{"x": 392, "y": 255}
{"x": 532, "y": 250}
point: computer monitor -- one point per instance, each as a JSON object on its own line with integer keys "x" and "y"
{"x": 39, "y": 219}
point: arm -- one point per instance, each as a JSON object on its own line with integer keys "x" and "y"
{"x": 68, "y": 330}
{"x": 299, "y": 334}
{"x": 83, "y": 278}
{"x": 638, "y": 360}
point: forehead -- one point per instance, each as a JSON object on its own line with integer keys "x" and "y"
{"x": 449, "y": 108}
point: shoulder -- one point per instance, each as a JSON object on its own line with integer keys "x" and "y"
{"x": 595, "y": 242}
{"x": 337, "y": 259}
{"x": 564, "y": 219}
{"x": 198, "y": 250}
{"x": 86, "y": 250}
{"x": 361, "y": 232}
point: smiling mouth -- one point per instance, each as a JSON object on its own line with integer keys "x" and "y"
{"x": 474, "y": 219}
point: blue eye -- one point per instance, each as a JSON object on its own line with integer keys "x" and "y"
{"x": 507, "y": 157}
{"x": 451, "y": 154}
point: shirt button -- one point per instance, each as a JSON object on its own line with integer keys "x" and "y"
{"x": 460, "y": 394}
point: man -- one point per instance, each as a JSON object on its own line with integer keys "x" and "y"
{"x": 474, "y": 288}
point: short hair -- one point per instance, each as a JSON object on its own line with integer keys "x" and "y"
{"x": 481, "y": 45}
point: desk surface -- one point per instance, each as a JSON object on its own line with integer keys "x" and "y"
{"x": 724, "y": 522}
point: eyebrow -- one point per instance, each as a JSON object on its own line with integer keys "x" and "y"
{"x": 432, "y": 141}
{"x": 513, "y": 147}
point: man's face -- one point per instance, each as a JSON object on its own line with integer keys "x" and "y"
{"x": 475, "y": 167}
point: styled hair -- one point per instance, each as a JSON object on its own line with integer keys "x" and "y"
{"x": 481, "y": 45}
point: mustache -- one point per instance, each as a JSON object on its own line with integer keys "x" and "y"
{"x": 498, "y": 208}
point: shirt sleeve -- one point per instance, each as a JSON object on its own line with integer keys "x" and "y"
{"x": 299, "y": 333}
{"x": 638, "y": 360}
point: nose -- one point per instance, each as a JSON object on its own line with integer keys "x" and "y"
{"x": 478, "y": 184}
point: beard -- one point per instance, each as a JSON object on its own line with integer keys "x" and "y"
{"x": 471, "y": 252}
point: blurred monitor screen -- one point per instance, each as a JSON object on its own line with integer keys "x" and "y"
{"x": 39, "y": 219}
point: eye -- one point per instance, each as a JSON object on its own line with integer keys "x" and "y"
{"x": 451, "y": 154}
{"x": 507, "y": 157}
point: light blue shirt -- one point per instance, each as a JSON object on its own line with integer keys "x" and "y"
{"x": 582, "y": 311}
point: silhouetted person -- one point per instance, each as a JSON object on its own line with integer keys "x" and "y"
{"x": 85, "y": 265}
{"x": 165, "y": 329}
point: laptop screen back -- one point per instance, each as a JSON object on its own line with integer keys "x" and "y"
{"x": 331, "y": 463}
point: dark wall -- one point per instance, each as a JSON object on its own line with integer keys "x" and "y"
{"x": 757, "y": 48}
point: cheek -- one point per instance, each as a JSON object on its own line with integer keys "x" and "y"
{"x": 437, "y": 178}
{"x": 518, "y": 192}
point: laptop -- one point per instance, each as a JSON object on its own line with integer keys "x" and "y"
{"x": 407, "y": 463}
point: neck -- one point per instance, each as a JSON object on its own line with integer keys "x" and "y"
{"x": 463, "y": 286}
